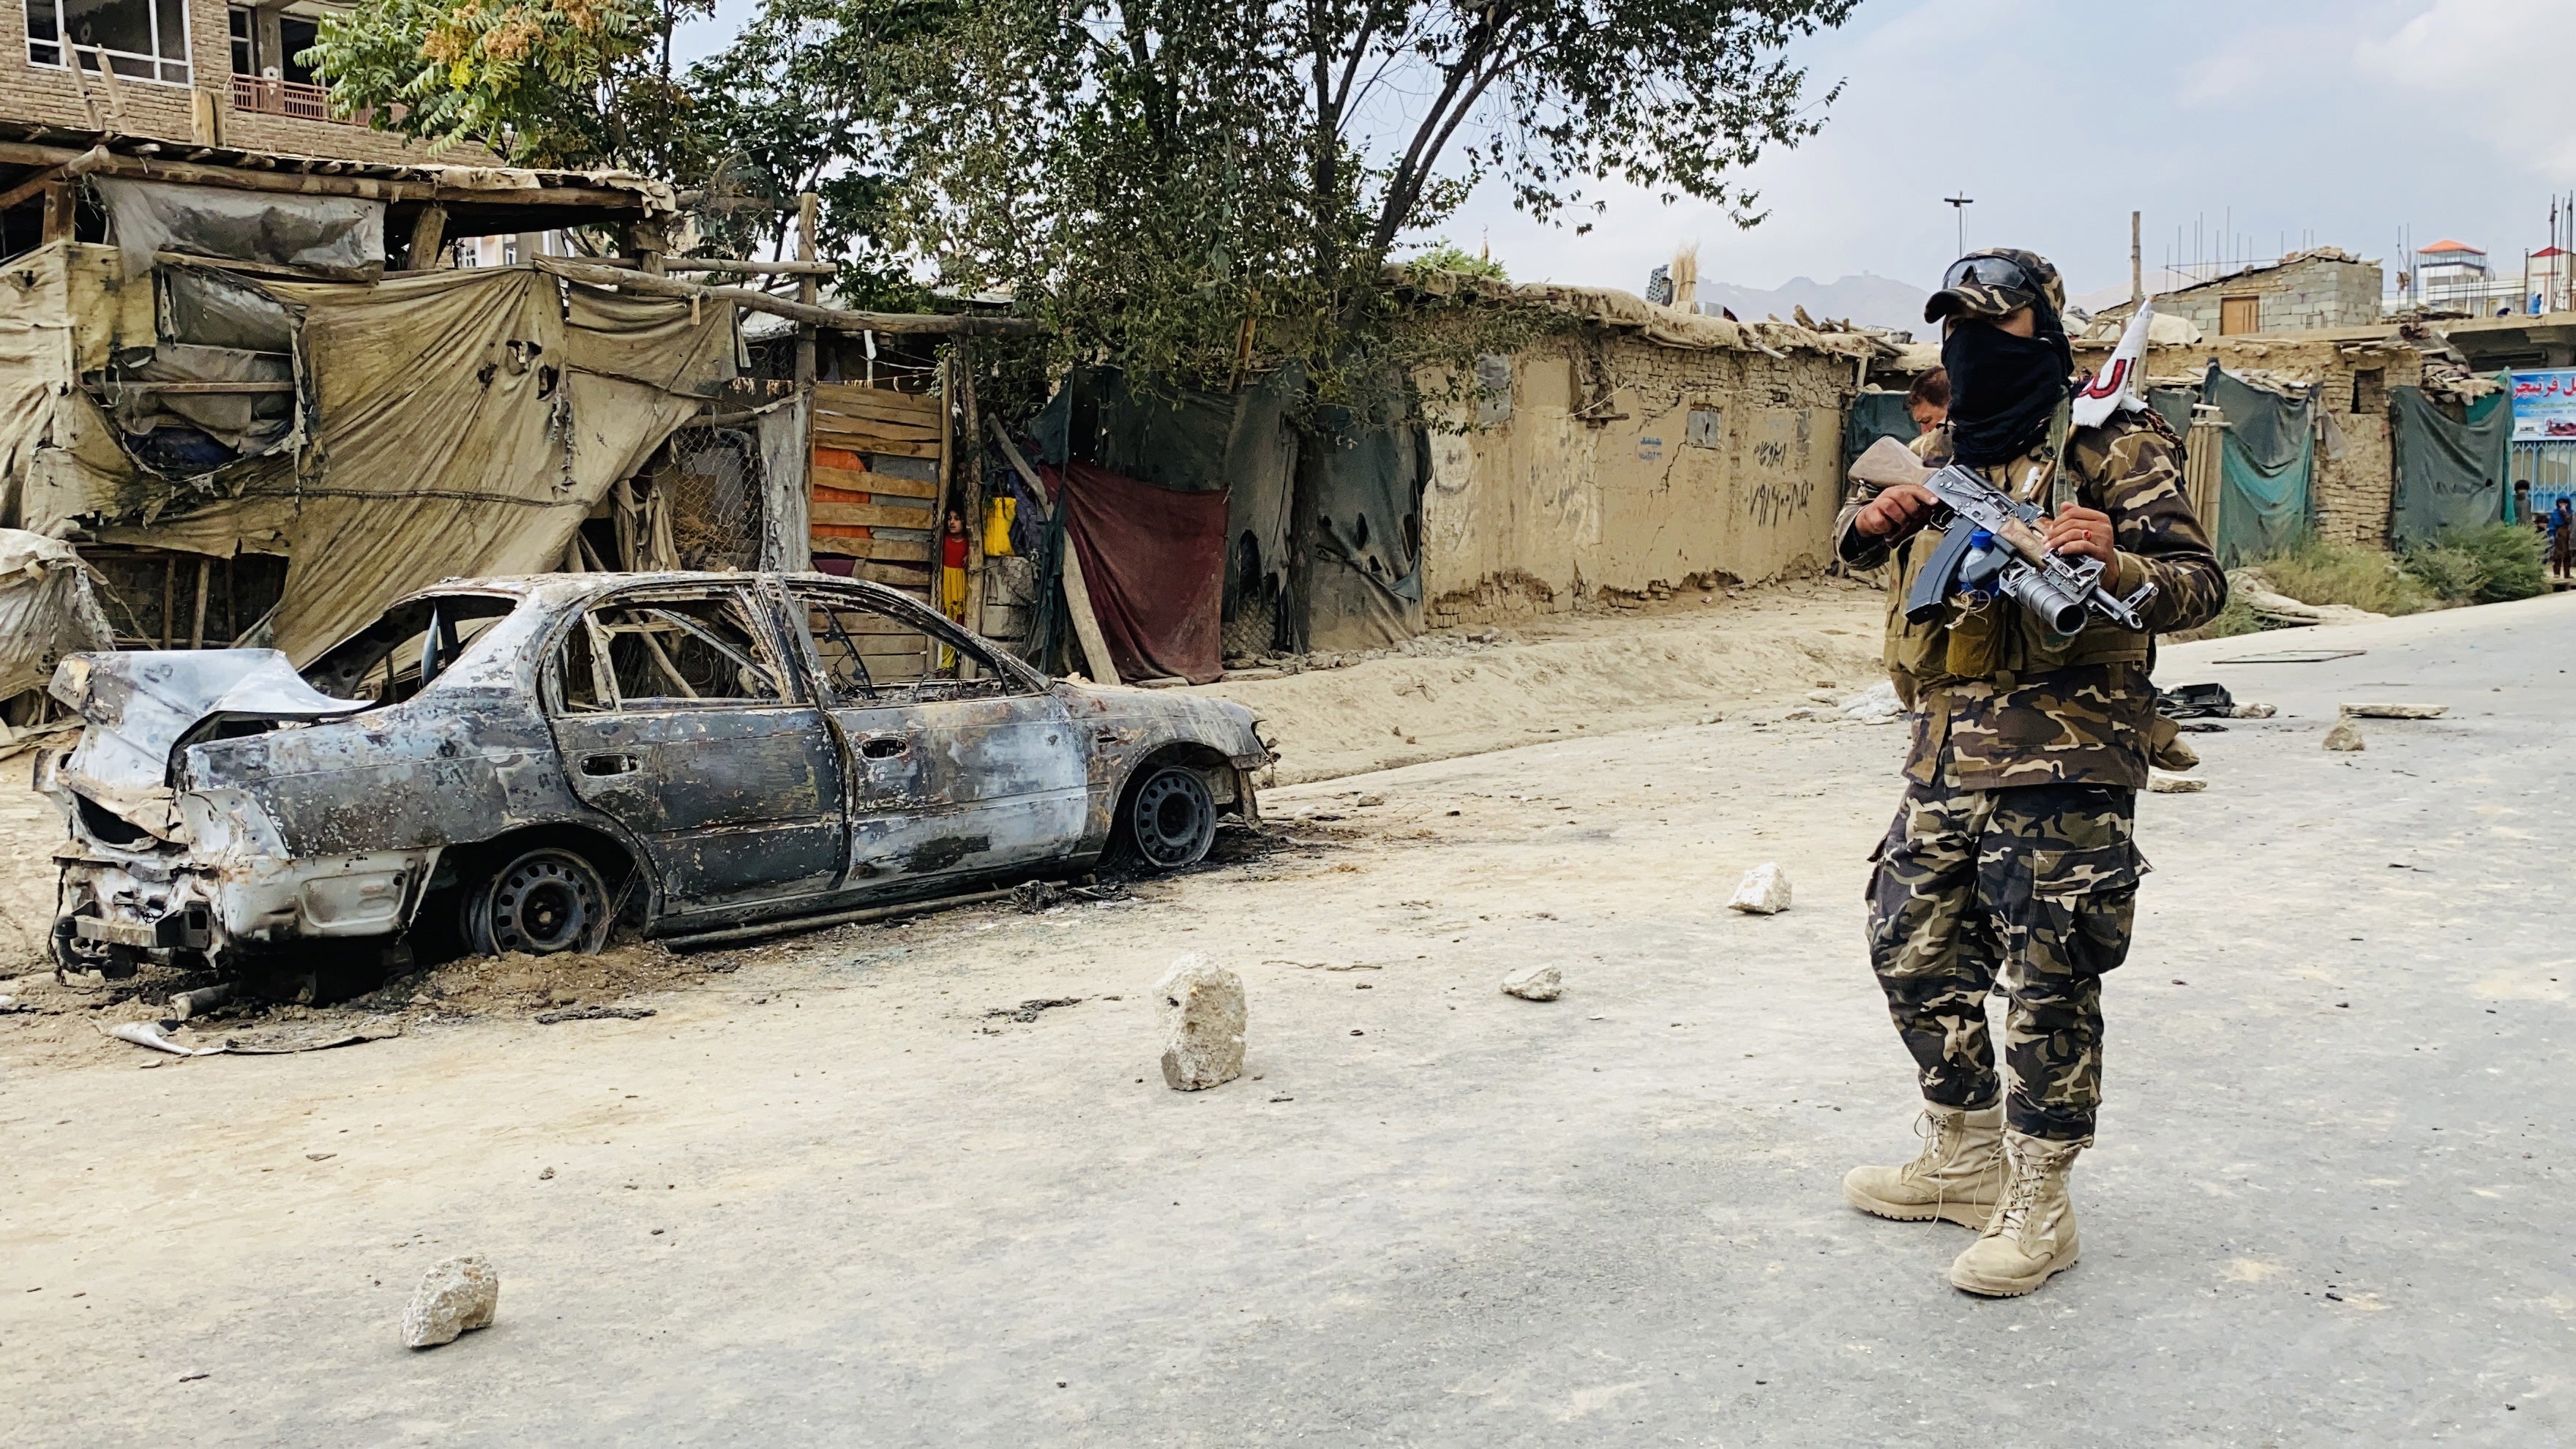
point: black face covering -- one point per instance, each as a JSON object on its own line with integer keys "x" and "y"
{"x": 2003, "y": 389}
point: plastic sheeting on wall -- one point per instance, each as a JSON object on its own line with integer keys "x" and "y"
{"x": 1242, "y": 443}
{"x": 333, "y": 236}
{"x": 1876, "y": 415}
{"x": 2449, "y": 475}
{"x": 2266, "y": 469}
{"x": 1153, "y": 564}
{"x": 1365, "y": 468}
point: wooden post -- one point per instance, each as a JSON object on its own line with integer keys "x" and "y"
{"x": 169, "y": 601}
{"x": 946, "y": 498}
{"x": 970, "y": 451}
{"x": 428, "y": 238}
{"x": 806, "y": 290}
{"x": 62, "y": 210}
{"x": 205, "y": 577}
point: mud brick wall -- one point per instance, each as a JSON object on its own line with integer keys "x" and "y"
{"x": 49, "y": 94}
{"x": 1621, "y": 468}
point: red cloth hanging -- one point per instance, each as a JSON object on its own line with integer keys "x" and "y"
{"x": 1153, "y": 561}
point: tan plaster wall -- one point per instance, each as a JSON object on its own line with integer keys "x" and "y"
{"x": 49, "y": 94}
{"x": 1545, "y": 509}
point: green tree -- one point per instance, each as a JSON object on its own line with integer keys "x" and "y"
{"x": 1159, "y": 178}
{"x": 798, "y": 103}
{"x": 537, "y": 82}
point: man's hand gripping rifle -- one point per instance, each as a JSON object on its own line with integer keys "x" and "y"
{"x": 1993, "y": 544}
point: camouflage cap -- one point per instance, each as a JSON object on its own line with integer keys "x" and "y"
{"x": 1995, "y": 284}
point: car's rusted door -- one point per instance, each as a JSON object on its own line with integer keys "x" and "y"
{"x": 675, "y": 715}
{"x": 948, "y": 776}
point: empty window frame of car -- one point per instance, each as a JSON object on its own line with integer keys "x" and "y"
{"x": 664, "y": 651}
{"x": 408, "y": 647}
{"x": 865, "y": 652}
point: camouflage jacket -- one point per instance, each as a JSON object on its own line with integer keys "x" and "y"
{"x": 2080, "y": 720}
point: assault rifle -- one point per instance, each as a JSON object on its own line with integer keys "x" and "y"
{"x": 1994, "y": 544}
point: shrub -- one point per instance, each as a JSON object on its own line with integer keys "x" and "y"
{"x": 2486, "y": 565}
{"x": 2318, "y": 572}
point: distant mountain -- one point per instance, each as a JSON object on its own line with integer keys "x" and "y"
{"x": 1872, "y": 301}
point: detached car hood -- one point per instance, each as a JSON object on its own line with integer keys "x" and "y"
{"x": 141, "y": 705}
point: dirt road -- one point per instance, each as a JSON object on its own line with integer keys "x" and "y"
{"x": 841, "y": 1192}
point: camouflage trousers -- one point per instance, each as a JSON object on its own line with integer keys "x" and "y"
{"x": 2031, "y": 888}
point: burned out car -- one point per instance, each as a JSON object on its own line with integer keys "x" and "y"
{"x": 527, "y": 761}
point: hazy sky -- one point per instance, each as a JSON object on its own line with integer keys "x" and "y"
{"x": 2343, "y": 120}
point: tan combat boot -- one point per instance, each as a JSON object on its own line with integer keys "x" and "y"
{"x": 2032, "y": 1234}
{"x": 1959, "y": 1175}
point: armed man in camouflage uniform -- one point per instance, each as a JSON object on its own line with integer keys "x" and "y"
{"x": 2011, "y": 860}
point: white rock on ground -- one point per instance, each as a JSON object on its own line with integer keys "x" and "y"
{"x": 2164, "y": 783}
{"x": 1765, "y": 891}
{"x": 1535, "y": 983}
{"x": 1199, "y": 1006}
{"x": 456, "y": 1295}
{"x": 2393, "y": 711}
{"x": 2344, "y": 736}
{"x": 1875, "y": 705}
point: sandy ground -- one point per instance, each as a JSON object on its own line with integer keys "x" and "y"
{"x": 849, "y": 1188}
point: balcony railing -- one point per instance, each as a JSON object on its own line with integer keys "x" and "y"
{"x": 289, "y": 98}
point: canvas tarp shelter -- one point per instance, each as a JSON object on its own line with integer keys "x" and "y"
{"x": 450, "y": 423}
{"x": 2264, "y": 475}
{"x": 1152, "y": 563}
{"x": 1241, "y": 443}
{"x": 2449, "y": 474}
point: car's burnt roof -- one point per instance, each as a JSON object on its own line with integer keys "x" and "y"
{"x": 587, "y": 584}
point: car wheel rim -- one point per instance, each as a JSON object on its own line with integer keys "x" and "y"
{"x": 544, "y": 903}
{"x": 1172, "y": 818}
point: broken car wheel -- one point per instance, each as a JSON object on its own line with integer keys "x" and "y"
{"x": 545, "y": 901}
{"x": 1171, "y": 818}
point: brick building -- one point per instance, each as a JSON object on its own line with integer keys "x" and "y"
{"x": 197, "y": 72}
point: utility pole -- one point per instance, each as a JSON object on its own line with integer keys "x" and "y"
{"x": 1960, "y": 204}
{"x": 2137, "y": 263}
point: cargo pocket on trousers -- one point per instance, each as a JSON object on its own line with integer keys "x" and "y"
{"x": 2086, "y": 901}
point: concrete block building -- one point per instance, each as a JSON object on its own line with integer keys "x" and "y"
{"x": 2318, "y": 290}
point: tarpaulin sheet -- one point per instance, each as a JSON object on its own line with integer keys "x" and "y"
{"x": 2264, "y": 473}
{"x": 1153, "y": 562}
{"x": 47, "y": 610}
{"x": 1241, "y": 442}
{"x": 459, "y": 423}
{"x": 2449, "y": 475}
{"x": 335, "y": 236}
{"x": 1872, "y": 416}
{"x": 2174, "y": 405}
{"x": 1366, "y": 466}
{"x": 35, "y": 360}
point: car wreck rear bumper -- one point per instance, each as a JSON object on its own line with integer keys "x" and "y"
{"x": 264, "y": 902}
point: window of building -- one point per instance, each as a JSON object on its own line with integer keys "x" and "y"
{"x": 2370, "y": 390}
{"x": 144, "y": 40}
{"x": 296, "y": 34}
{"x": 245, "y": 50}
{"x": 2238, "y": 316}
